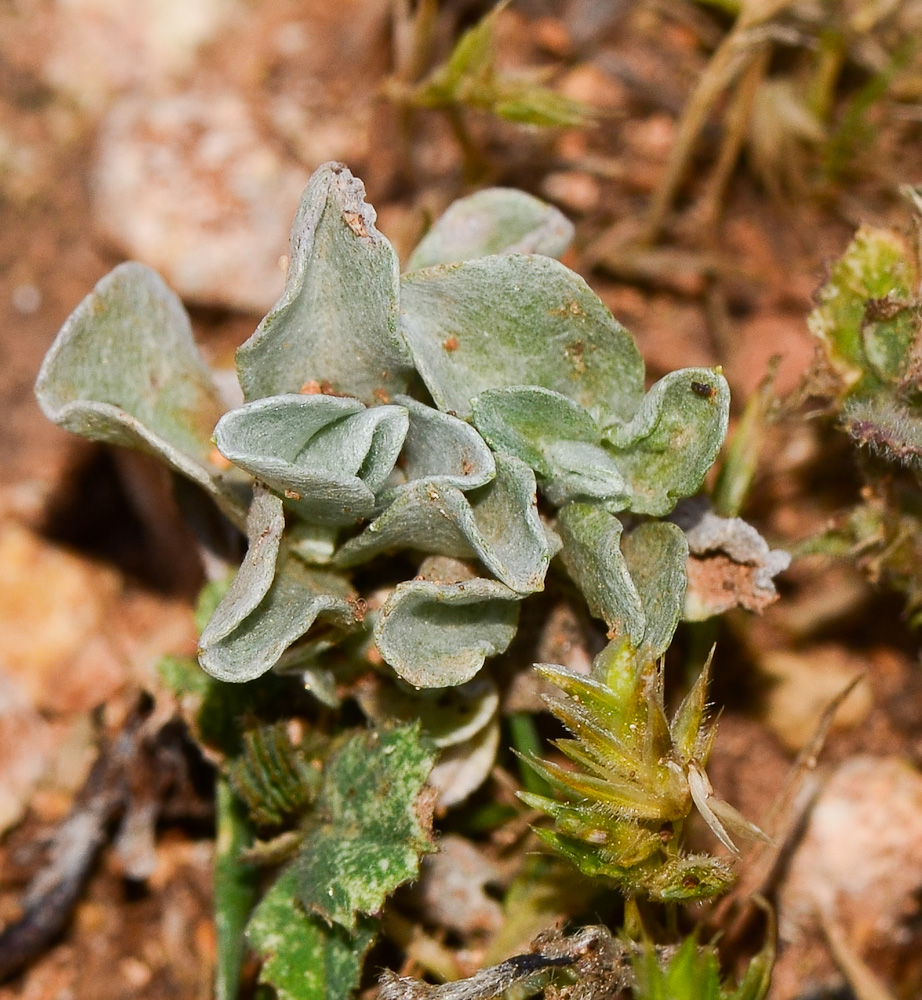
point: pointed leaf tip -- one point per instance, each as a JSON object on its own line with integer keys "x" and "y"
{"x": 336, "y": 322}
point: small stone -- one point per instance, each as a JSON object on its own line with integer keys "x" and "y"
{"x": 858, "y": 869}
{"x": 188, "y": 185}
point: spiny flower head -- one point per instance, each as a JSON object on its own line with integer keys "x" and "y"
{"x": 638, "y": 775}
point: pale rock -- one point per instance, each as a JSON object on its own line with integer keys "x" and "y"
{"x": 189, "y": 186}
{"x": 857, "y": 869}
{"x": 99, "y": 48}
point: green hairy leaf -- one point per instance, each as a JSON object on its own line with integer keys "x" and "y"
{"x": 328, "y": 454}
{"x": 442, "y": 449}
{"x": 591, "y": 552}
{"x": 124, "y": 369}
{"x": 557, "y": 438}
{"x": 370, "y": 829}
{"x": 497, "y": 524}
{"x": 655, "y": 553}
{"x": 439, "y": 634}
{"x": 243, "y": 647}
{"x": 666, "y": 449}
{"x": 514, "y": 319}
{"x": 304, "y": 956}
{"x": 496, "y": 220}
{"x": 336, "y": 322}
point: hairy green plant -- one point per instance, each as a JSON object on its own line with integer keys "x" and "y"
{"x": 410, "y": 453}
{"x": 424, "y": 413}
{"x": 471, "y": 80}
{"x": 869, "y": 324}
{"x": 637, "y": 777}
{"x": 693, "y": 973}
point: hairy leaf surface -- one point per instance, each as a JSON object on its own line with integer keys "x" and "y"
{"x": 336, "y": 322}
{"x": 495, "y": 220}
{"x": 371, "y": 826}
{"x": 514, "y": 319}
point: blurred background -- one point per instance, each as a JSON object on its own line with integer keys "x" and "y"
{"x": 713, "y": 156}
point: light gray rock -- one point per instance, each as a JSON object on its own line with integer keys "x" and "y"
{"x": 188, "y": 185}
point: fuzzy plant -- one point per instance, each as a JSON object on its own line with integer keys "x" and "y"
{"x": 637, "y": 776}
{"x": 868, "y": 322}
{"x": 425, "y": 412}
{"x": 405, "y": 456}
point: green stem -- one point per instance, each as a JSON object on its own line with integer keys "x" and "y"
{"x": 235, "y": 889}
{"x": 523, "y": 735}
{"x": 741, "y": 459}
{"x": 633, "y": 921}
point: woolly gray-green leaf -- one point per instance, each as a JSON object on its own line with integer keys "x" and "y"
{"x": 496, "y": 220}
{"x": 668, "y": 447}
{"x": 512, "y": 319}
{"x": 497, "y": 523}
{"x": 265, "y": 524}
{"x": 556, "y": 437}
{"x": 592, "y": 554}
{"x": 655, "y": 554}
{"x": 336, "y": 321}
{"x": 439, "y": 634}
{"x": 328, "y": 454}
{"x": 422, "y": 515}
{"x": 304, "y": 957}
{"x": 371, "y": 825}
{"x": 125, "y": 369}
{"x": 297, "y": 597}
{"x": 442, "y": 449}
{"x": 511, "y": 541}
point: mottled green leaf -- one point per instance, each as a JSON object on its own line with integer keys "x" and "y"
{"x": 336, "y": 321}
{"x": 442, "y": 449}
{"x": 304, "y": 957}
{"x": 876, "y": 265}
{"x": 496, "y": 220}
{"x": 889, "y": 330}
{"x": 655, "y": 554}
{"x": 513, "y": 319}
{"x": 439, "y": 634}
{"x": 666, "y": 450}
{"x": 125, "y": 369}
{"x": 497, "y": 524}
{"x": 371, "y": 826}
{"x": 592, "y": 554}
{"x": 557, "y": 438}
{"x": 245, "y": 648}
{"x": 328, "y": 454}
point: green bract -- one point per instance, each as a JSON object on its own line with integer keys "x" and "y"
{"x": 485, "y": 408}
{"x": 620, "y": 811}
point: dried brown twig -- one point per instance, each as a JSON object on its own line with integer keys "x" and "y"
{"x": 126, "y": 783}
